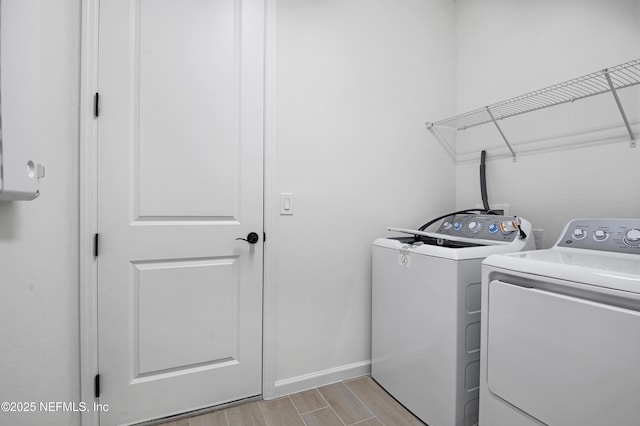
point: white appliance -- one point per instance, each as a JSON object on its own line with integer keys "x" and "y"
{"x": 561, "y": 330}
{"x": 426, "y": 313}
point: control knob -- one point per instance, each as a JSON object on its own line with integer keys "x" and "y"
{"x": 474, "y": 226}
{"x": 493, "y": 228}
{"x": 632, "y": 237}
{"x": 600, "y": 235}
{"x": 508, "y": 227}
{"x": 579, "y": 233}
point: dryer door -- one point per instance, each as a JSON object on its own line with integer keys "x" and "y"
{"x": 563, "y": 360}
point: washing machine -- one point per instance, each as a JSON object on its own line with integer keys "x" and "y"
{"x": 426, "y": 312}
{"x": 561, "y": 330}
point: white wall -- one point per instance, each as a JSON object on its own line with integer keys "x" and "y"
{"x": 39, "y": 346}
{"x": 356, "y": 82}
{"x": 507, "y": 48}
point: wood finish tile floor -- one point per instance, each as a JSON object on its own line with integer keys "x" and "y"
{"x": 358, "y": 401}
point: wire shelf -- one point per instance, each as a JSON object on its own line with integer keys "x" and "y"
{"x": 608, "y": 80}
{"x": 614, "y": 78}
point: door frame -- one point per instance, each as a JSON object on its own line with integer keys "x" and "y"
{"x": 88, "y": 206}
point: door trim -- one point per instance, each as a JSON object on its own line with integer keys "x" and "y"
{"x": 89, "y": 206}
{"x": 270, "y": 205}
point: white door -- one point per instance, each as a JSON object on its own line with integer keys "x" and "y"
{"x": 180, "y": 148}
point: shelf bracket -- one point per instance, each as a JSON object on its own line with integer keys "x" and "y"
{"x": 513, "y": 153}
{"x": 442, "y": 141}
{"x": 632, "y": 140}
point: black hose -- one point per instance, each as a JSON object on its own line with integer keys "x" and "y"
{"x": 483, "y": 181}
{"x": 483, "y": 191}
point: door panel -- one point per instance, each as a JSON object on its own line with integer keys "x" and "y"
{"x": 187, "y": 79}
{"x": 179, "y": 179}
{"x": 200, "y": 293}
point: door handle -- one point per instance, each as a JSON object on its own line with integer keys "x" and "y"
{"x": 252, "y": 238}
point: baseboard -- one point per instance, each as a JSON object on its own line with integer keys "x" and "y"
{"x": 320, "y": 378}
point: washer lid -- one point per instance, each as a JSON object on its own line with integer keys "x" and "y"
{"x": 478, "y": 252}
{"x": 603, "y": 269}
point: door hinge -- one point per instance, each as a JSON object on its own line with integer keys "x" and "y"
{"x": 96, "y": 105}
{"x": 96, "y": 386}
{"x": 95, "y": 245}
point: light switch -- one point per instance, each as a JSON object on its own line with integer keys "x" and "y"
{"x": 286, "y": 203}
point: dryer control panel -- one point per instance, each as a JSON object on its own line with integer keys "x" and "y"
{"x": 615, "y": 235}
{"x": 481, "y": 226}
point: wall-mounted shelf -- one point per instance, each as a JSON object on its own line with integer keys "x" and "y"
{"x": 608, "y": 80}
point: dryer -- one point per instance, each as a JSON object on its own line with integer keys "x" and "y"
{"x": 426, "y": 313}
{"x": 561, "y": 330}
